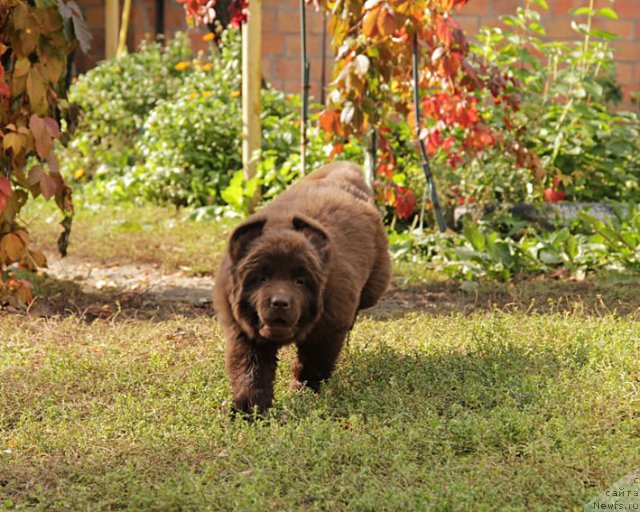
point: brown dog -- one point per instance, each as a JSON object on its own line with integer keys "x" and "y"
{"x": 297, "y": 272}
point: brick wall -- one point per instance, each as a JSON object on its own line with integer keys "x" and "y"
{"x": 281, "y": 34}
{"x": 557, "y": 22}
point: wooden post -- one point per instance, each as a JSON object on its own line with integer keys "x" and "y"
{"x": 251, "y": 84}
{"x": 111, "y": 22}
{"x": 124, "y": 27}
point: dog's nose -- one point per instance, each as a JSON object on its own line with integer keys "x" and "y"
{"x": 279, "y": 302}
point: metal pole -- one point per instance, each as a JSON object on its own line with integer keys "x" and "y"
{"x": 306, "y": 67}
{"x": 437, "y": 210}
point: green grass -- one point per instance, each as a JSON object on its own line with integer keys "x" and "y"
{"x": 515, "y": 396}
{"x": 124, "y": 233}
{"x": 482, "y": 412}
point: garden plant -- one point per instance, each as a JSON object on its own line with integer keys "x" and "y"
{"x": 500, "y": 371}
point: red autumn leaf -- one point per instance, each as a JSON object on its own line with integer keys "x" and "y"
{"x": 386, "y": 21}
{"x": 443, "y": 30}
{"x": 5, "y": 186}
{"x": 5, "y": 90}
{"x": 5, "y": 191}
{"x": 50, "y": 184}
{"x": 554, "y": 196}
{"x": 41, "y": 136}
{"x": 52, "y": 126}
{"x": 405, "y": 202}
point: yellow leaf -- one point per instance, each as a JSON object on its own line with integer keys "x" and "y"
{"x": 208, "y": 37}
{"x": 13, "y": 247}
{"x": 36, "y": 91}
{"x": 78, "y": 174}
{"x": 369, "y": 22}
{"x": 14, "y": 142}
{"x": 38, "y": 258}
{"x": 22, "y": 67}
{"x": 54, "y": 68}
{"x": 181, "y": 66}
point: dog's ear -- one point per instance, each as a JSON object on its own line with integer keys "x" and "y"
{"x": 243, "y": 236}
{"x": 314, "y": 233}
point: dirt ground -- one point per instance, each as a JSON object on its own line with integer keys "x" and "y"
{"x": 79, "y": 287}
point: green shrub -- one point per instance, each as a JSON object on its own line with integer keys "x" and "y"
{"x": 480, "y": 251}
{"x": 568, "y": 117}
{"x": 167, "y": 127}
{"x": 115, "y": 98}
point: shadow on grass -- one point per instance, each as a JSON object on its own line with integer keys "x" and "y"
{"x": 618, "y": 295}
{"x": 614, "y": 294}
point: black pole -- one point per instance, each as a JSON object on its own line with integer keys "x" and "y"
{"x": 437, "y": 210}
{"x": 159, "y": 17}
{"x": 323, "y": 74}
{"x": 306, "y": 67}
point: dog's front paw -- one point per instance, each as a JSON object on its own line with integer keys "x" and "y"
{"x": 253, "y": 400}
{"x": 296, "y": 384}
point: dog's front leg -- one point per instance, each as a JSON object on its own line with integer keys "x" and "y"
{"x": 252, "y": 369}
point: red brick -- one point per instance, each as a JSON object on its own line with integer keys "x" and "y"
{"x": 291, "y": 86}
{"x": 470, "y": 25}
{"x": 627, "y": 90}
{"x": 622, "y": 28}
{"x": 196, "y": 42}
{"x": 559, "y": 28}
{"x": 94, "y": 16}
{"x": 293, "y": 45}
{"x": 288, "y": 22}
{"x": 625, "y": 73}
{"x": 627, "y": 9}
{"x": 561, "y": 7}
{"x": 315, "y": 21}
{"x": 505, "y": 7}
{"x": 626, "y": 52}
{"x": 475, "y": 7}
{"x": 287, "y": 68}
{"x": 269, "y": 17}
{"x": 273, "y": 44}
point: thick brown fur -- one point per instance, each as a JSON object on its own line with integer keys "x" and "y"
{"x": 298, "y": 271}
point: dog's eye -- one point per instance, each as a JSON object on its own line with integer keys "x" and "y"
{"x": 300, "y": 281}
{"x": 262, "y": 279}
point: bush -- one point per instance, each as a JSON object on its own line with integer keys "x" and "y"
{"x": 115, "y": 98}
{"x": 582, "y": 148}
{"x": 481, "y": 252}
{"x": 165, "y": 127}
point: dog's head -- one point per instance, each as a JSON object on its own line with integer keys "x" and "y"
{"x": 278, "y": 278}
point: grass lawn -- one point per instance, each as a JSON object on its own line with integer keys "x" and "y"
{"x": 432, "y": 408}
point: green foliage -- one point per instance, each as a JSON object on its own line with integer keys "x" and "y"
{"x": 481, "y": 251}
{"x": 165, "y": 127}
{"x": 116, "y": 98}
{"x": 567, "y": 118}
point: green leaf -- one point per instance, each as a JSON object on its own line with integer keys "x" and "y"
{"x": 542, "y": 4}
{"x": 607, "y": 12}
{"x": 475, "y": 236}
{"x": 604, "y": 34}
{"x": 582, "y": 10}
